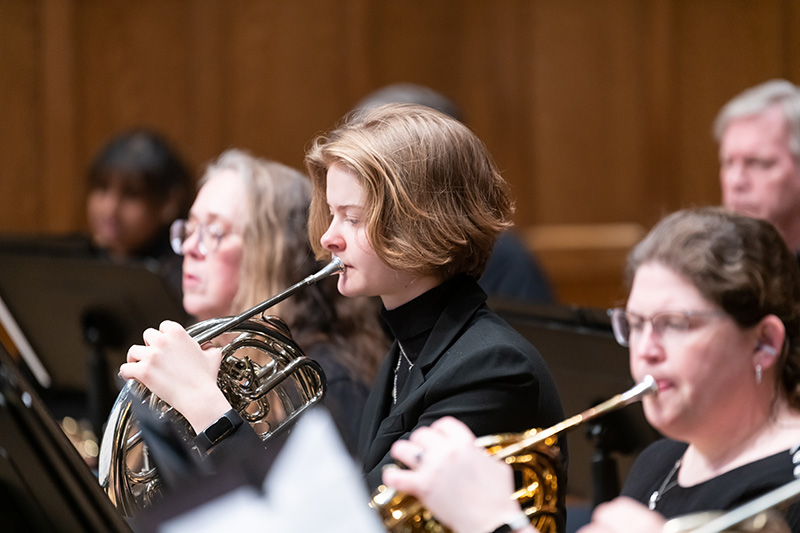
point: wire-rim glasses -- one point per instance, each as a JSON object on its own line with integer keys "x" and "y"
{"x": 625, "y": 323}
{"x": 208, "y": 235}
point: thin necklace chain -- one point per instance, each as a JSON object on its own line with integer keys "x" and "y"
{"x": 397, "y": 369}
{"x": 667, "y": 484}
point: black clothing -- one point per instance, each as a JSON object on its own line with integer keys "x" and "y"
{"x": 346, "y": 396}
{"x": 654, "y": 465}
{"x": 472, "y": 365}
{"x": 412, "y": 324}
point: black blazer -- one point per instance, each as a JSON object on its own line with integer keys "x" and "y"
{"x": 474, "y": 367}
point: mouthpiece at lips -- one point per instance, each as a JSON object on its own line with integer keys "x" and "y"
{"x": 342, "y": 268}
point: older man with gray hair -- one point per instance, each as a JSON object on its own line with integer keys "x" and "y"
{"x": 759, "y": 151}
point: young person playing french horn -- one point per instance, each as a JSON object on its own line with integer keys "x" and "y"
{"x": 411, "y": 202}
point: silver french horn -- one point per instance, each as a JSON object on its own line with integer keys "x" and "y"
{"x": 264, "y": 375}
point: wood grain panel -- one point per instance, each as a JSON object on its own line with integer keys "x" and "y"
{"x": 725, "y": 47}
{"x": 596, "y": 112}
{"x": 286, "y": 75}
{"x": 20, "y": 171}
{"x": 589, "y": 126}
{"x": 206, "y": 111}
{"x": 134, "y": 66}
{"x": 61, "y": 201}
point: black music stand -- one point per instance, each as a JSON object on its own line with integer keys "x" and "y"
{"x": 44, "y": 483}
{"x": 72, "y": 318}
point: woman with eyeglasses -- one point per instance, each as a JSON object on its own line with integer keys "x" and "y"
{"x": 246, "y": 240}
{"x": 713, "y": 315}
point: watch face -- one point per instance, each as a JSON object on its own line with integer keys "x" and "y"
{"x": 219, "y": 429}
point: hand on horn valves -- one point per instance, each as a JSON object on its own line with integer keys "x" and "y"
{"x": 177, "y": 370}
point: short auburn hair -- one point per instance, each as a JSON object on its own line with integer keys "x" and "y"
{"x": 434, "y": 200}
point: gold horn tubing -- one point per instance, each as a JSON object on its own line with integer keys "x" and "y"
{"x": 533, "y": 454}
{"x": 645, "y": 387}
{"x": 334, "y": 267}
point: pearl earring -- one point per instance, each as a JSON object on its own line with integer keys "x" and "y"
{"x": 758, "y": 374}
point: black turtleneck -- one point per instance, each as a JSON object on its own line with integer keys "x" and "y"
{"x": 411, "y": 323}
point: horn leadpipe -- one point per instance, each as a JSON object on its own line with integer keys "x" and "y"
{"x": 645, "y": 387}
{"x": 334, "y": 267}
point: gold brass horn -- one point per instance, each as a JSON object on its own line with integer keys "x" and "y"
{"x": 758, "y": 514}
{"x": 533, "y": 454}
{"x": 263, "y": 374}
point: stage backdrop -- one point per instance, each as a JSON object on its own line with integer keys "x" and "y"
{"x": 598, "y": 113}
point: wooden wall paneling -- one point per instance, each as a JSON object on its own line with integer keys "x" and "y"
{"x": 134, "y": 64}
{"x": 62, "y": 203}
{"x": 591, "y": 139}
{"x": 19, "y": 116}
{"x": 496, "y": 47}
{"x": 725, "y": 47}
{"x": 288, "y": 73}
{"x": 265, "y": 61}
{"x": 586, "y": 262}
{"x": 358, "y": 28}
{"x": 206, "y": 110}
{"x": 416, "y": 42}
{"x": 588, "y": 129}
{"x": 597, "y": 112}
{"x": 790, "y": 29}
{"x": 655, "y": 192}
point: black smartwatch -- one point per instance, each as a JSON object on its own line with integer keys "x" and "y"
{"x": 224, "y": 426}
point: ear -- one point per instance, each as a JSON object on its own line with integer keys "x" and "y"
{"x": 771, "y": 334}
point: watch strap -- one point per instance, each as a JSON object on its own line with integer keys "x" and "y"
{"x": 516, "y": 522}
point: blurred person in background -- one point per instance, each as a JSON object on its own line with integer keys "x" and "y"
{"x": 759, "y": 151}
{"x": 138, "y": 184}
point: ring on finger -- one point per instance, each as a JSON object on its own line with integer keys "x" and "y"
{"x": 418, "y": 457}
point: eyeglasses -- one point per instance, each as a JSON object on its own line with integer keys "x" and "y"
{"x": 208, "y": 236}
{"x": 666, "y": 324}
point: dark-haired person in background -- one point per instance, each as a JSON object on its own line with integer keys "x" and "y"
{"x": 138, "y": 184}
